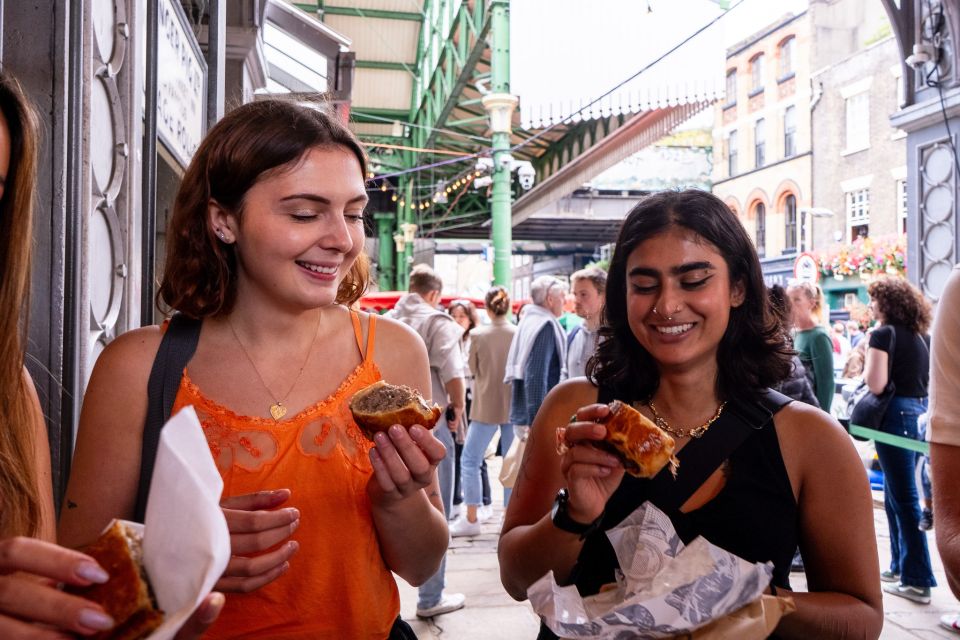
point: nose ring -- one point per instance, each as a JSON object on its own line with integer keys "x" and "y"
{"x": 667, "y": 318}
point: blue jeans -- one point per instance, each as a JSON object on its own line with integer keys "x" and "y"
{"x": 479, "y": 436}
{"x": 909, "y": 555}
{"x": 432, "y": 590}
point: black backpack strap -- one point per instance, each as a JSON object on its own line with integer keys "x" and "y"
{"x": 176, "y": 348}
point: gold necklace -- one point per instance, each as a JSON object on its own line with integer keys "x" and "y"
{"x": 277, "y": 409}
{"x": 694, "y": 432}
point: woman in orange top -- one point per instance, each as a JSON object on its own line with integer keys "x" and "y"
{"x": 265, "y": 246}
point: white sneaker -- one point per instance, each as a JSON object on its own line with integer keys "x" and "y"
{"x": 462, "y": 527}
{"x": 448, "y": 602}
{"x": 951, "y": 621}
{"x": 454, "y": 512}
{"x": 485, "y": 513}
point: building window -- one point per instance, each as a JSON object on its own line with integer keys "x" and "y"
{"x": 732, "y": 154}
{"x": 732, "y": 86}
{"x": 756, "y": 74}
{"x": 761, "y": 215}
{"x": 785, "y": 55}
{"x": 759, "y": 143}
{"x": 902, "y": 205}
{"x": 858, "y": 122}
{"x": 790, "y": 132}
{"x": 790, "y": 222}
{"x": 858, "y": 213}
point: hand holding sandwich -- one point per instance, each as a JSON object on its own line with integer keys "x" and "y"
{"x": 30, "y": 571}
{"x": 592, "y": 475}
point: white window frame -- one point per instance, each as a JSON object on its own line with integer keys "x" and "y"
{"x": 857, "y": 203}
{"x": 756, "y": 72}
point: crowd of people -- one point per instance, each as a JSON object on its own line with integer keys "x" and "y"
{"x": 265, "y": 258}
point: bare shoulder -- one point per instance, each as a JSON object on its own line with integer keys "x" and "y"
{"x": 132, "y": 352}
{"x": 400, "y": 354}
{"x": 812, "y": 441}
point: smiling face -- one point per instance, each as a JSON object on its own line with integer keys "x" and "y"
{"x": 688, "y": 282}
{"x": 458, "y": 313}
{"x": 300, "y": 230}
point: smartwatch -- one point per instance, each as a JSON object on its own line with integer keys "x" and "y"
{"x": 563, "y": 521}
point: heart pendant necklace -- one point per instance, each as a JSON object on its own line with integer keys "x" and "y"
{"x": 277, "y": 408}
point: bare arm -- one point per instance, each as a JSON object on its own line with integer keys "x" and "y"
{"x": 404, "y": 491}
{"x": 530, "y": 545}
{"x": 945, "y": 461}
{"x": 457, "y": 392}
{"x": 875, "y": 370}
{"x": 843, "y": 575}
{"x": 111, "y": 428}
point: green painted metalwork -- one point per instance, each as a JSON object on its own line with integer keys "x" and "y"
{"x": 502, "y": 196}
{"x": 385, "y": 263}
{"x": 371, "y": 13}
{"x": 389, "y": 66}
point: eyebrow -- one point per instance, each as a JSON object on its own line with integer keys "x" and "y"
{"x": 677, "y": 271}
{"x": 313, "y": 197}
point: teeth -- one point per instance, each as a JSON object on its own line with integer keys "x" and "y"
{"x": 675, "y": 330}
{"x": 318, "y": 269}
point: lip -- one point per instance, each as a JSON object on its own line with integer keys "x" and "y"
{"x": 329, "y": 273}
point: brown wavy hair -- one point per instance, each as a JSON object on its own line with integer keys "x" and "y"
{"x": 900, "y": 303}
{"x": 19, "y": 488}
{"x": 250, "y": 143}
{"x": 752, "y": 354}
{"x": 497, "y": 300}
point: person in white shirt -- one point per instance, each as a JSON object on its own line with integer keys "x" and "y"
{"x": 589, "y": 288}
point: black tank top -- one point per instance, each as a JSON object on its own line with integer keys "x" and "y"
{"x": 754, "y": 516}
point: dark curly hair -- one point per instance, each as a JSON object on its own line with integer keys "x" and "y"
{"x": 752, "y": 354}
{"x": 900, "y": 303}
{"x": 249, "y": 143}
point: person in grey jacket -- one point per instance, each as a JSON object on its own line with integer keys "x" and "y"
{"x": 441, "y": 335}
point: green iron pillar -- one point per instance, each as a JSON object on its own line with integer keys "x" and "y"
{"x": 385, "y": 271}
{"x": 500, "y": 104}
{"x": 409, "y": 231}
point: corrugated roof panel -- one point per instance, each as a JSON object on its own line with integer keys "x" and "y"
{"x": 382, "y": 88}
{"x": 406, "y": 6}
{"x": 379, "y": 39}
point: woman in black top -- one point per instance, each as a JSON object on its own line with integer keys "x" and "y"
{"x": 689, "y": 331}
{"x": 905, "y": 316}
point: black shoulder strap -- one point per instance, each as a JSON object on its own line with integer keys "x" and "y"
{"x": 701, "y": 457}
{"x": 176, "y": 348}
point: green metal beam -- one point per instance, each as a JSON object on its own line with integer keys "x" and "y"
{"x": 394, "y": 114}
{"x": 388, "y": 66}
{"x": 371, "y": 13}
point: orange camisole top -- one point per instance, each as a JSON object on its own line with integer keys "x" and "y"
{"x": 338, "y": 585}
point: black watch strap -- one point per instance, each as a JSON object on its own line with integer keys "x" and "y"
{"x": 563, "y": 521}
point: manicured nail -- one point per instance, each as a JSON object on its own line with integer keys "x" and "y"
{"x": 96, "y": 620}
{"x": 416, "y": 431}
{"x": 396, "y": 430}
{"x": 294, "y": 525}
{"x": 293, "y": 513}
{"x": 92, "y": 572}
{"x": 212, "y": 610}
{"x": 381, "y": 438}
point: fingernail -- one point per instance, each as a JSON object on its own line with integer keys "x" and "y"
{"x": 604, "y": 471}
{"x": 294, "y": 514}
{"x": 96, "y": 620}
{"x": 396, "y": 430}
{"x": 294, "y": 545}
{"x": 417, "y": 431}
{"x": 381, "y": 438}
{"x": 214, "y": 604}
{"x": 599, "y": 430}
{"x": 294, "y": 525}
{"x": 286, "y": 567}
{"x": 92, "y": 572}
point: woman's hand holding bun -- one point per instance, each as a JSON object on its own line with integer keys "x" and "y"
{"x": 591, "y": 475}
{"x": 404, "y": 462}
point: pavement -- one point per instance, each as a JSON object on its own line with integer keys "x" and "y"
{"x": 491, "y": 614}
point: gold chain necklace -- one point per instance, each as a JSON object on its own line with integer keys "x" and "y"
{"x": 694, "y": 432}
{"x": 277, "y": 409}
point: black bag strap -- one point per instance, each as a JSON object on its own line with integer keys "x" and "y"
{"x": 176, "y": 348}
{"x": 701, "y": 457}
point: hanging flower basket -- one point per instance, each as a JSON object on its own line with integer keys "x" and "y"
{"x": 866, "y": 257}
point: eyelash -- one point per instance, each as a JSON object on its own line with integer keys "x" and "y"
{"x": 689, "y": 286}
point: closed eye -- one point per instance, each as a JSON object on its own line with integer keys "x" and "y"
{"x": 696, "y": 284}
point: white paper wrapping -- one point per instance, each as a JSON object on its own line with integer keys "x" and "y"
{"x": 666, "y": 588}
{"x": 186, "y": 543}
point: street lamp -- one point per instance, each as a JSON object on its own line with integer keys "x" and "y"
{"x": 815, "y": 212}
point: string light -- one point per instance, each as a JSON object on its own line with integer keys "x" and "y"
{"x": 383, "y": 187}
{"x": 393, "y": 198}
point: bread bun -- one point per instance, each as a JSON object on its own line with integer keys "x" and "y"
{"x": 126, "y": 596}
{"x": 382, "y": 405}
{"x": 643, "y": 447}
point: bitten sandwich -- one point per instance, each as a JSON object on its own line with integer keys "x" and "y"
{"x": 126, "y": 596}
{"x": 382, "y": 405}
{"x": 643, "y": 447}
